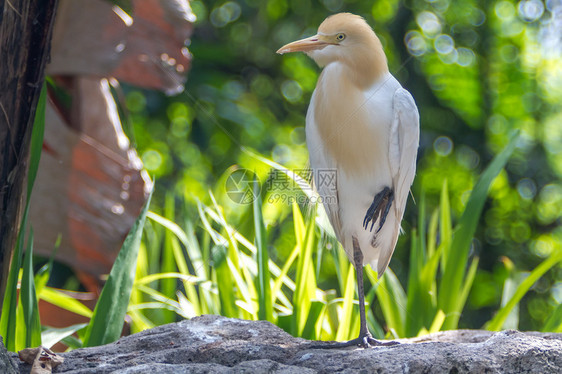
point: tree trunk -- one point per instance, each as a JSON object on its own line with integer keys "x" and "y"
{"x": 25, "y": 37}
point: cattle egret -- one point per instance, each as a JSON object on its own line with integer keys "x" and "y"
{"x": 362, "y": 125}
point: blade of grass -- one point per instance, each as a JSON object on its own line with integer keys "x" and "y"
{"x": 392, "y": 299}
{"x": 64, "y": 301}
{"x": 415, "y": 292}
{"x": 554, "y": 323}
{"x": 154, "y": 277}
{"x": 437, "y": 322}
{"x": 9, "y": 304}
{"x": 189, "y": 241}
{"x": 36, "y": 141}
{"x": 244, "y": 288}
{"x": 8, "y": 321}
{"x": 265, "y": 311}
{"x": 279, "y": 281}
{"x": 29, "y": 298}
{"x": 305, "y": 285}
{"x": 315, "y": 313}
{"x": 510, "y": 284}
{"x": 109, "y": 315}
{"x": 273, "y": 268}
{"x": 467, "y": 284}
{"x": 72, "y": 342}
{"x": 42, "y": 276}
{"x": 457, "y": 258}
{"x": 160, "y": 301}
{"x": 497, "y": 322}
{"x": 168, "y": 286}
{"x": 344, "y": 328}
{"x": 374, "y": 327}
{"x": 225, "y": 282}
{"x": 445, "y": 223}
{"x": 53, "y": 335}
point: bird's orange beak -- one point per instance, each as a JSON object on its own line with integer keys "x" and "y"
{"x": 304, "y": 45}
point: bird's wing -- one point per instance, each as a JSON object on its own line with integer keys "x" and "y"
{"x": 324, "y": 169}
{"x": 403, "y": 149}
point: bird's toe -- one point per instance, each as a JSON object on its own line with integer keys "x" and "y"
{"x": 372, "y": 342}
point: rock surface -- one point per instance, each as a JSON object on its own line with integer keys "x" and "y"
{"x": 213, "y": 344}
{"x": 7, "y": 365}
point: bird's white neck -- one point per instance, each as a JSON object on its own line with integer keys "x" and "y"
{"x": 363, "y": 69}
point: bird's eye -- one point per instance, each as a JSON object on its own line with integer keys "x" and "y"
{"x": 340, "y": 37}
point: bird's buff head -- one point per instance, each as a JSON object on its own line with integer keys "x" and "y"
{"x": 341, "y": 37}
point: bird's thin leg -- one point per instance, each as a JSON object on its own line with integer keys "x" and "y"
{"x": 365, "y": 339}
{"x": 379, "y": 209}
{"x": 358, "y": 263}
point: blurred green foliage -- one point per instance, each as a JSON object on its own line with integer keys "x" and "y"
{"x": 477, "y": 70}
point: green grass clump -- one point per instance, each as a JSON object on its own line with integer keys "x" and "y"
{"x": 239, "y": 262}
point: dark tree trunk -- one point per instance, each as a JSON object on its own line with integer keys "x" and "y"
{"x": 25, "y": 37}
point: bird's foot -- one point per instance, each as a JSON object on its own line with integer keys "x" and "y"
{"x": 379, "y": 209}
{"x": 363, "y": 341}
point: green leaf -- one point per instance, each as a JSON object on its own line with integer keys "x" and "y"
{"x": 305, "y": 285}
{"x": 344, "y": 328}
{"x": 554, "y": 323}
{"x": 392, "y": 299}
{"x": 109, "y": 314}
{"x": 316, "y": 311}
{"x": 456, "y": 259}
{"x": 9, "y": 304}
{"x": 265, "y": 308}
{"x": 445, "y": 223}
{"x": 36, "y": 141}
{"x": 168, "y": 286}
{"x": 415, "y": 296}
{"x": 52, "y": 335}
{"x": 29, "y": 298}
{"x": 42, "y": 276}
{"x": 497, "y": 322}
{"x": 154, "y": 277}
{"x": 64, "y": 301}
{"x": 437, "y": 322}
{"x": 172, "y": 226}
{"x": 226, "y": 282}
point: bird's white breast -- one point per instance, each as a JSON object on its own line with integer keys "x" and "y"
{"x": 353, "y": 124}
{"x": 348, "y": 130}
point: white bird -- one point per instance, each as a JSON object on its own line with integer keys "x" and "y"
{"x": 363, "y": 128}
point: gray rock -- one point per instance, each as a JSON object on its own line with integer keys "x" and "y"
{"x": 213, "y": 344}
{"x": 6, "y": 364}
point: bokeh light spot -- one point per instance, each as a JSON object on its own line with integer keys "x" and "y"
{"x": 226, "y": 13}
{"x": 527, "y": 188}
{"x": 465, "y": 57}
{"x": 429, "y": 23}
{"x": 298, "y": 135}
{"x": 333, "y": 5}
{"x": 444, "y": 44}
{"x": 291, "y": 91}
{"x": 467, "y": 157}
{"x": 443, "y": 145}
{"x": 152, "y": 159}
{"x": 136, "y": 101}
{"x": 416, "y": 43}
{"x": 530, "y": 10}
{"x": 281, "y": 153}
{"x": 504, "y": 10}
